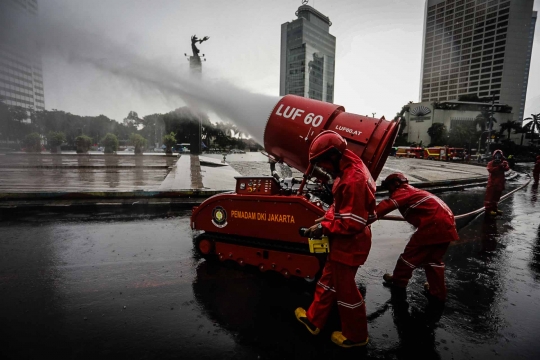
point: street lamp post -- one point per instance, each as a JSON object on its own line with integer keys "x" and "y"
{"x": 480, "y": 141}
{"x": 488, "y": 139}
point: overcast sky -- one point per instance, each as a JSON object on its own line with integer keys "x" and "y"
{"x": 379, "y": 44}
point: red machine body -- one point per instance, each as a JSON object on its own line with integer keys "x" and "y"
{"x": 295, "y": 121}
{"x": 258, "y": 224}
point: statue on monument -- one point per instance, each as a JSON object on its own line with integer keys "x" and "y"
{"x": 194, "y": 40}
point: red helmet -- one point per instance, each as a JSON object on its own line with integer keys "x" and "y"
{"x": 537, "y": 157}
{"x": 395, "y": 176}
{"x": 324, "y": 142}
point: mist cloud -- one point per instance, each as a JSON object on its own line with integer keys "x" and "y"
{"x": 61, "y": 41}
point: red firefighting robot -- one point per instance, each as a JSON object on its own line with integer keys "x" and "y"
{"x": 536, "y": 170}
{"x": 345, "y": 223}
{"x": 496, "y": 168}
{"x": 435, "y": 229}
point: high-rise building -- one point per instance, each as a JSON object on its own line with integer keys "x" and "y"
{"x": 528, "y": 64}
{"x": 308, "y": 53}
{"x": 477, "y": 47}
{"x": 21, "y": 77}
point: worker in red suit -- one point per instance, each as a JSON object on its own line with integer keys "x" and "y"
{"x": 435, "y": 229}
{"x": 536, "y": 170}
{"x": 496, "y": 168}
{"x": 345, "y": 223}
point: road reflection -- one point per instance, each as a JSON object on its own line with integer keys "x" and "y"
{"x": 112, "y": 176}
{"x": 65, "y": 282}
{"x": 258, "y": 308}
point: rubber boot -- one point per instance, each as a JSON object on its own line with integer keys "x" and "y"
{"x": 302, "y": 317}
{"x": 340, "y": 340}
{"x": 388, "y": 279}
{"x": 428, "y": 295}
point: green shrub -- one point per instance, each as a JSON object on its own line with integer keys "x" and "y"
{"x": 139, "y": 142}
{"x": 32, "y": 142}
{"x": 55, "y": 139}
{"x": 110, "y": 141}
{"x": 83, "y": 143}
{"x": 169, "y": 141}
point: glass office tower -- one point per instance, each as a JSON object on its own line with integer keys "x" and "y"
{"x": 21, "y": 77}
{"x": 477, "y": 47}
{"x": 308, "y": 54}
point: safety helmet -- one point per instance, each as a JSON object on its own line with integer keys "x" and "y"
{"x": 537, "y": 157}
{"x": 395, "y": 176}
{"x": 498, "y": 151}
{"x": 324, "y": 144}
{"x": 498, "y": 155}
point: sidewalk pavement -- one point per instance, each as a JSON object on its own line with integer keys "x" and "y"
{"x": 121, "y": 181}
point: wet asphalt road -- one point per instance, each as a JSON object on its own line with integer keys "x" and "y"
{"x": 110, "y": 285}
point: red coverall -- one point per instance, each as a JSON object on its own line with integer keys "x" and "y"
{"x": 495, "y": 184}
{"x": 436, "y": 228}
{"x": 536, "y": 171}
{"x": 350, "y": 242}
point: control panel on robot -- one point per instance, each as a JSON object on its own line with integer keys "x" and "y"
{"x": 257, "y": 185}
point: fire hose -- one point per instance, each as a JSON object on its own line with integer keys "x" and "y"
{"x": 462, "y": 216}
{"x": 379, "y": 312}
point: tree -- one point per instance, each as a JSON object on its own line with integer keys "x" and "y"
{"x": 13, "y": 123}
{"x": 533, "y": 126}
{"x": 399, "y": 117}
{"x": 438, "y": 134}
{"x": 5, "y": 122}
{"x": 110, "y": 141}
{"x": 482, "y": 119}
{"x": 462, "y": 135}
{"x": 139, "y": 142}
{"x": 32, "y": 142}
{"x": 508, "y": 126}
{"x": 133, "y": 119}
{"x": 480, "y": 122}
{"x": 74, "y": 125}
{"x": 83, "y": 143}
{"x": 55, "y": 139}
{"x": 169, "y": 141}
{"x": 186, "y": 123}
{"x": 152, "y": 128}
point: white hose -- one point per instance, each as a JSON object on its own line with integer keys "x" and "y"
{"x": 457, "y": 217}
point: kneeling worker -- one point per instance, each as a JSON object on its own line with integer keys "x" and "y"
{"x": 345, "y": 223}
{"x": 435, "y": 229}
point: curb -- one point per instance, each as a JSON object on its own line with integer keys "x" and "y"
{"x": 189, "y": 193}
{"x": 178, "y": 200}
{"x": 110, "y": 195}
{"x": 118, "y": 153}
{"x": 442, "y": 183}
{"x": 89, "y": 167}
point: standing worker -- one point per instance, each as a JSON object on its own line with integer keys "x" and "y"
{"x": 435, "y": 229}
{"x": 511, "y": 161}
{"x": 536, "y": 170}
{"x": 345, "y": 223}
{"x": 496, "y": 168}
